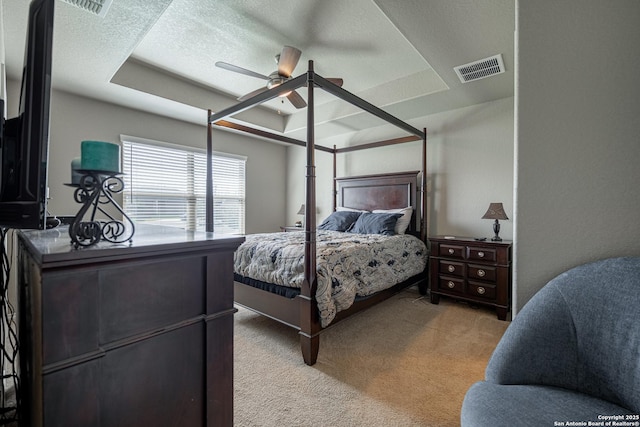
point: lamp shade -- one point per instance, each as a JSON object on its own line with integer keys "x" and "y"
{"x": 301, "y": 211}
{"x": 495, "y": 211}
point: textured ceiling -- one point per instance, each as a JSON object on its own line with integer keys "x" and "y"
{"x": 159, "y": 55}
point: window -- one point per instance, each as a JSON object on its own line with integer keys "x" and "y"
{"x": 166, "y": 184}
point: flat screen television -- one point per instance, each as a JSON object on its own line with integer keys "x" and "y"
{"x": 24, "y": 140}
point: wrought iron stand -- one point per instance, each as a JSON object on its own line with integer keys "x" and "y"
{"x": 95, "y": 190}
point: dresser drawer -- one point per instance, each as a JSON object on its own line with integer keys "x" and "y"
{"x": 482, "y": 290}
{"x": 452, "y": 251}
{"x": 481, "y": 272}
{"x": 452, "y": 268}
{"x": 451, "y": 284}
{"x": 482, "y": 254}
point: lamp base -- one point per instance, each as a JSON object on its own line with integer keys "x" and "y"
{"x": 496, "y": 230}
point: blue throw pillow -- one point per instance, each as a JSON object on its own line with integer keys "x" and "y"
{"x": 375, "y": 223}
{"x": 339, "y": 221}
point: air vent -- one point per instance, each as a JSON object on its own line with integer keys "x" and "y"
{"x": 480, "y": 69}
{"x": 98, "y": 7}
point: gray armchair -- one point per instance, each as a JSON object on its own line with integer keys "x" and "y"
{"x": 571, "y": 354}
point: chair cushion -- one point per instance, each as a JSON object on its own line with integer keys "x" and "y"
{"x": 495, "y": 405}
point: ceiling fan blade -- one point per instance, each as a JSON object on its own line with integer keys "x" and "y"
{"x": 240, "y": 70}
{"x": 296, "y": 99}
{"x": 288, "y": 60}
{"x": 254, "y": 93}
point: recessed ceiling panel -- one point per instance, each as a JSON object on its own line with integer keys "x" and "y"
{"x": 399, "y": 55}
{"x": 346, "y": 39}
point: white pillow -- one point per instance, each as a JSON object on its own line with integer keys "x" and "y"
{"x": 342, "y": 208}
{"x": 403, "y": 221}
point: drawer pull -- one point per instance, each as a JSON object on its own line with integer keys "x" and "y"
{"x": 481, "y": 273}
{"x": 451, "y": 251}
{"x": 481, "y": 254}
{"x": 451, "y": 268}
{"x": 481, "y": 290}
{"x": 451, "y": 285}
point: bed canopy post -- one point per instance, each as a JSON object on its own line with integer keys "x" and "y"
{"x": 209, "y": 184}
{"x": 334, "y": 189}
{"x": 423, "y": 189}
{"x": 309, "y": 323}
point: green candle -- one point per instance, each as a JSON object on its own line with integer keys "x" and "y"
{"x": 100, "y": 156}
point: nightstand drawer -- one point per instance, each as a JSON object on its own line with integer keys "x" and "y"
{"x": 481, "y": 272}
{"x": 451, "y": 284}
{"x": 452, "y": 251}
{"x": 452, "y": 268}
{"x": 482, "y": 290}
{"x": 482, "y": 254}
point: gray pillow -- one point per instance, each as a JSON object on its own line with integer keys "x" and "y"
{"x": 375, "y": 223}
{"x": 339, "y": 221}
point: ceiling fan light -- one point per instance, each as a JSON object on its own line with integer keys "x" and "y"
{"x": 275, "y": 80}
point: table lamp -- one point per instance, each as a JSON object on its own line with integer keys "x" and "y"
{"x": 495, "y": 211}
{"x": 300, "y": 212}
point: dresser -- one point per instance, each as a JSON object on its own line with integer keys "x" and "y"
{"x": 137, "y": 334}
{"x": 471, "y": 270}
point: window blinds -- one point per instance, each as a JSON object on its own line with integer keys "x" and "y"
{"x": 166, "y": 184}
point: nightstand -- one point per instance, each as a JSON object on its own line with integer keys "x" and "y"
{"x": 291, "y": 228}
{"x": 471, "y": 270}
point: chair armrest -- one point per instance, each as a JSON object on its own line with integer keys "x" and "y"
{"x": 539, "y": 346}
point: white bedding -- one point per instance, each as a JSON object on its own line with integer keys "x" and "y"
{"x": 348, "y": 264}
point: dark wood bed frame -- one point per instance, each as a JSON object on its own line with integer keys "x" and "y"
{"x": 385, "y": 191}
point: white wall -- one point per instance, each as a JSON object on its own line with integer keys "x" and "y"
{"x": 74, "y": 119}
{"x": 469, "y": 163}
{"x": 578, "y": 136}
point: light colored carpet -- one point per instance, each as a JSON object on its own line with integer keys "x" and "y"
{"x": 404, "y": 362}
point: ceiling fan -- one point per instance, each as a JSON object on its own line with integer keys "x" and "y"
{"x": 287, "y": 61}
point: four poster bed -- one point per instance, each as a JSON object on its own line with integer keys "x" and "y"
{"x": 309, "y": 279}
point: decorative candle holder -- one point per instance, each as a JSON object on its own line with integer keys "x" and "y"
{"x": 95, "y": 190}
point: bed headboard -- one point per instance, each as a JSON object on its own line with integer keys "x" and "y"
{"x": 384, "y": 191}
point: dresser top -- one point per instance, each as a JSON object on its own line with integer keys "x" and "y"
{"x": 54, "y": 246}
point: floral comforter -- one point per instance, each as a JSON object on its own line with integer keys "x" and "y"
{"x": 348, "y": 264}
